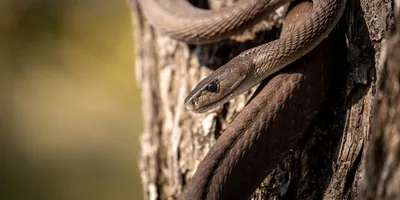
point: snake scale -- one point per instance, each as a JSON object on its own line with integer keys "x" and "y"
{"x": 259, "y": 137}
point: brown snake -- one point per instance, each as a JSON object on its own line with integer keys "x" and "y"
{"x": 235, "y": 166}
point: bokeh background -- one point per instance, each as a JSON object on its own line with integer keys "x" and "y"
{"x": 70, "y": 114}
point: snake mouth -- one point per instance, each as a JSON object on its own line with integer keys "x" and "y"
{"x": 192, "y": 104}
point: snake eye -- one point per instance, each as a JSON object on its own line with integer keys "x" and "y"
{"x": 212, "y": 87}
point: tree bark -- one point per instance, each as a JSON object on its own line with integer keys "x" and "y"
{"x": 326, "y": 164}
{"x": 382, "y": 173}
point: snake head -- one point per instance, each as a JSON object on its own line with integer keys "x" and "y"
{"x": 220, "y": 86}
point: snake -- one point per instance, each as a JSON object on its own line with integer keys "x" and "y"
{"x": 236, "y": 165}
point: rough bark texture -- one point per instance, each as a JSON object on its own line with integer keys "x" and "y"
{"x": 327, "y": 163}
{"x": 382, "y": 177}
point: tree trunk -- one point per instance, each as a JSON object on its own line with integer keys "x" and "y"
{"x": 382, "y": 173}
{"x": 327, "y": 163}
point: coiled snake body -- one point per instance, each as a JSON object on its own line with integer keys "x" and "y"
{"x": 233, "y": 167}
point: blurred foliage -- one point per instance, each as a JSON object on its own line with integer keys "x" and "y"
{"x": 70, "y": 110}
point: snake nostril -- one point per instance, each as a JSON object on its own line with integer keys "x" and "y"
{"x": 190, "y": 103}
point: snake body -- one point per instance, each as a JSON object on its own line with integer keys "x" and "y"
{"x": 180, "y": 20}
{"x": 234, "y": 166}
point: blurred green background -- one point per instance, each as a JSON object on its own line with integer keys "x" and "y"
{"x": 70, "y": 108}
